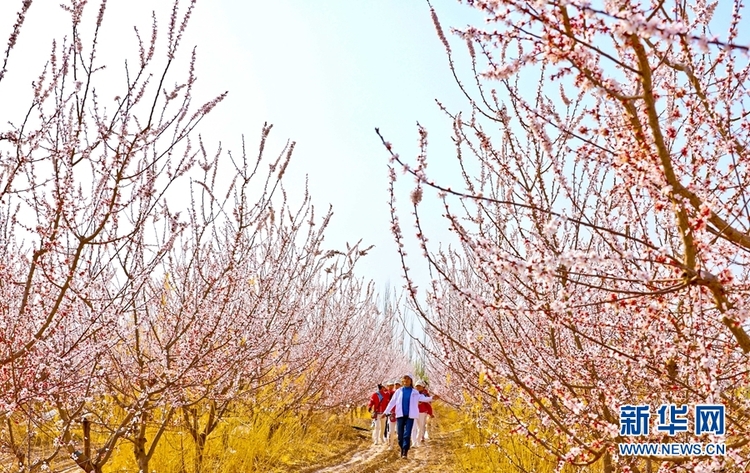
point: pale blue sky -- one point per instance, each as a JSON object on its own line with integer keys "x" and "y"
{"x": 324, "y": 72}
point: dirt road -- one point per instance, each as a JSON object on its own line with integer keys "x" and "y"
{"x": 432, "y": 457}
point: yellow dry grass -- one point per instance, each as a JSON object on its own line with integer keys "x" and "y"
{"x": 264, "y": 435}
{"x": 271, "y": 442}
{"x": 480, "y": 442}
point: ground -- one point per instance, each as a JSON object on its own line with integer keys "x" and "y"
{"x": 348, "y": 449}
{"x": 434, "y": 456}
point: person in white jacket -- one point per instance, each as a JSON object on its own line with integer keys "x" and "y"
{"x": 406, "y": 400}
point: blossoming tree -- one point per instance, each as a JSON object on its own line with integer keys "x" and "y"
{"x": 148, "y": 284}
{"x": 81, "y": 183}
{"x": 603, "y": 222}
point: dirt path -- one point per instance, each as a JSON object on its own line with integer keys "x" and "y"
{"x": 432, "y": 456}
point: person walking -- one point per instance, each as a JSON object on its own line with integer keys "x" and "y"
{"x": 390, "y": 386}
{"x": 378, "y": 401}
{"x": 425, "y": 410}
{"x": 406, "y": 400}
{"x": 392, "y": 434}
{"x": 430, "y": 416}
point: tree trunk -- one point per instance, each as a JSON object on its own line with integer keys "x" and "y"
{"x": 83, "y": 459}
{"x": 140, "y": 454}
{"x": 199, "y": 434}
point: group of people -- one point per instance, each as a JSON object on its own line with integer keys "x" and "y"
{"x": 401, "y": 408}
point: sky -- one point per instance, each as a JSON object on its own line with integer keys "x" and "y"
{"x": 325, "y": 73}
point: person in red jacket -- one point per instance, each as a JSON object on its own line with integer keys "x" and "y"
{"x": 430, "y": 415}
{"x": 425, "y": 411}
{"x": 378, "y": 402}
{"x": 390, "y": 386}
